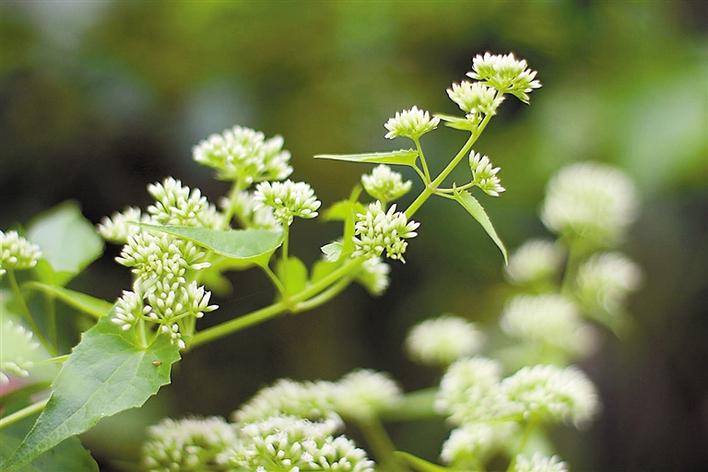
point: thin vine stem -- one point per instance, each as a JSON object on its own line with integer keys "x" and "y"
{"x": 324, "y": 296}
{"x": 23, "y": 413}
{"x": 380, "y": 443}
{"x": 17, "y": 292}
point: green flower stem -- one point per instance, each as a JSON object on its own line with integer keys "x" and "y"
{"x": 233, "y": 194}
{"x": 23, "y": 413}
{"x": 274, "y": 278}
{"x": 26, "y": 311}
{"x": 426, "y": 172}
{"x": 380, "y": 443}
{"x": 52, "y": 318}
{"x": 413, "y": 406}
{"x": 529, "y": 427}
{"x": 433, "y": 186}
{"x": 271, "y": 311}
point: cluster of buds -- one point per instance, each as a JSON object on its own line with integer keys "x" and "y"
{"x": 287, "y": 200}
{"x": 412, "y": 124}
{"x": 484, "y": 174}
{"x": 17, "y": 253}
{"x": 18, "y": 348}
{"x": 378, "y": 231}
{"x": 443, "y": 340}
{"x": 384, "y": 184}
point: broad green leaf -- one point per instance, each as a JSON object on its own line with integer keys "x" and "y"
{"x": 254, "y": 245}
{"x": 475, "y": 209}
{"x": 68, "y": 241}
{"x": 421, "y": 464}
{"x": 405, "y": 157}
{"x": 106, "y": 373}
{"x": 81, "y": 301}
{"x": 68, "y": 456}
{"x": 457, "y": 122}
{"x": 293, "y": 274}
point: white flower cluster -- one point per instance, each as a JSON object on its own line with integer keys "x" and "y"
{"x": 473, "y": 443}
{"x": 384, "y": 184}
{"x": 591, "y": 201}
{"x": 412, "y": 123}
{"x": 472, "y": 391}
{"x": 17, "y": 253}
{"x": 250, "y": 213}
{"x": 379, "y": 230}
{"x": 285, "y": 443}
{"x": 374, "y": 276}
{"x": 162, "y": 292}
{"x": 287, "y": 199}
{"x": 18, "y": 350}
{"x": 549, "y": 320}
{"x": 443, "y": 340}
{"x": 536, "y": 260}
{"x": 484, "y": 174}
{"x": 506, "y": 74}
{"x": 244, "y": 155}
{"x": 538, "y": 463}
{"x": 191, "y": 444}
{"x": 475, "y": 97}
{"x": 364, "y": 393}
{"x": 605, "y": 280}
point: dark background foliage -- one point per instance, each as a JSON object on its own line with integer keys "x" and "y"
{"x": 99, "y": 98}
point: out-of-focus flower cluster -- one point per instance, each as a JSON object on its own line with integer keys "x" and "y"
{"x": 18, "y": 350}
{"x": 16, "y": 252}
{"x": 443, "y": 340}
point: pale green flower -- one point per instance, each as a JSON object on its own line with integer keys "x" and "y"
{"x": 538, "y": 463}
{"x": 287, "y": 199}
{"x": 379, "y": 230}
{"x": 412, "y": 123}
{"x": 553, "y": 394}
{"x": 179, "y": 205}
{"x": 18, "y": 350}
{"x": 506, "y": 74}
{"x": 16, "y": 252}
{"x": 242, "y": 154}
{"x": 592, "y": 201}
{"x": 484, "y": 174}
{"x": 384, "y": 184}
{"x": 605, "y": 280}
{"x": 191, "y": 444}
{"x": 473, "y": 443}
{"x": 475, "y": 97}
{"x": 443, "y": 340}
{"x": 364, "y": 393}
{"x": 374, "y": 275}
{"x": 535, "y": 260}
{"x": 121, "y": 225}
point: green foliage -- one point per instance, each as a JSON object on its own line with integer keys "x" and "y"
{"x": 421, "y": 465}
{"x": 475, "y": 209}
{"x": 68, "y": 241}
{"x": 105, "y": 374}
{"x": 81, "y": 301}
{"x": 405, "y": 157}
{"x": 293, "y": 274}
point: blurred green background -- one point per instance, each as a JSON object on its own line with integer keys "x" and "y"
{"x": 99, "y": 98}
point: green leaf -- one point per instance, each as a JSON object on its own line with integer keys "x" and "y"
{"x": 293, "y": 274}
{"x": 81, "y": 301}
{"x": 248, "y": 245}
{"x": 68, "y": 241}
{"x": 475, "y": 209}
{"x": 457, "y": 122}
{"x": 341, "y": 210}
{"x": 322, "y": 269}
{"x": 332, "y": 251}
{"x": 421, "y": 464}
{"x": 404, "y": 157}
{"x": 105, "y": 374}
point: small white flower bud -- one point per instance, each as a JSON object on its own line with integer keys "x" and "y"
{"x": 16, "y": 252}
{"x": 412, "y": 123}
{"x": 484, "y": 174}
{"x": 287, "y": 199}
{"x": 384, "y": 184}
{"x": 506, "y": 74}
{"x": 379, "y": 230}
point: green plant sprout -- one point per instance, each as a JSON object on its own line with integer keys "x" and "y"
{"x": 179, "y": 248}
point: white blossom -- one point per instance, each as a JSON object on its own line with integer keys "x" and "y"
{"x": 16, "y": 252}
{"x": 287, "y": 199}
{"x": 374, "y": 276}
{"x": 605, "y": 280}
{"x": 475, "y": 442}
{"x": 412, "y": 123}
{"x": 535, "y": 260}
{"x": 443, "y": 340}
{"x": 590, "y": 200}
{"x": 475, "y": 97}
{"x": 18, "y": 350}
{"x": 250, "y": 213}
{"x": 538, "y": 463}
{"x": 121, "y": 225}
{"x": 384, "y": 184}
{"x": 364, "y": 393}
{"x": 179, "y": 205}
{"x": 550, "y": 393}
{"x": 242, "y": 154}
{"x": 379, "y": 230}
{"x": 484, "y": 174}
{"x": 506, "y": 74}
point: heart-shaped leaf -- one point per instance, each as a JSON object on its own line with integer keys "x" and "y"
{"x": 404, "y": 157}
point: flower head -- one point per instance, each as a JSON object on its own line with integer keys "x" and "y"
{"x": 179, "y": 205}
{"x": 551, "y": 320}
{"x": 484, "y": 174}
{"x": 287, "y": 199}
{"x": 550, "y": 393}
{"x": 121, "y": 225}
{"x": 364, "y": 393}
{"x": 605, "y": 280}
{"x": 379, "y": 230}
{"x": 242, "y": 154}
{"x": 475, "y": 442}
{"x": 535, "y": 260}
{"x": 539, "y": 463}
{"x": 373, "y": 276}
{"x": 412, "y": 124}
{"x": 591, "y": 201}
{"x": 192, "y": 444}
{"x": 250, "y": 213}
{"x": 384, "y": 184}
{"x": 506, "y": 74}
{"x": 443, "y": 340}
{"x": 475, "y": 97}
{"x": 16, "y": 252}
{"x": 312, "y": 400}
{"x": 18, "y": 350}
